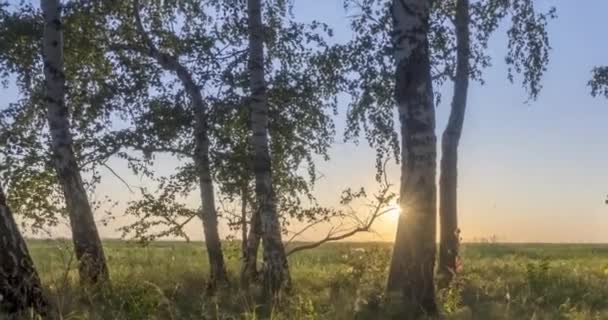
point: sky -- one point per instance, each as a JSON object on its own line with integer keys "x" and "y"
{"x": 528, "y": 172}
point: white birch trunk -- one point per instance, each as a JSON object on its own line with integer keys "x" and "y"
{"x": 209, "y": 212}
{"x": 87, "y": 244}
{"x": 276, "y": 271}
{"x": 412, "y": 265}
{"x": 203, "y": 168}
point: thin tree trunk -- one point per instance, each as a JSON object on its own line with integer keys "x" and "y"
{"x": 209, "y": 213}
{"x": 448, "y": 181}
{"x": 201, "y": 155}
{"x": 249, "y": 270}
{"x": 20, "y": 286}
{"x": 276, "y": 271}
{"x": 87, "y": 244}
{"x": 244, "y": 223}
{"x": 412, "y": 265}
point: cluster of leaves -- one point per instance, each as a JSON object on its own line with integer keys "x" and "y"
{"x": 599, "y": 82}
{"x": 371, "y": 64}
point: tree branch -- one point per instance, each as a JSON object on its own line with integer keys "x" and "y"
{"x": 167, "y": 61}
{"x": 334, "y": 234}
{"x": 151, "y": 149}
{"x": 118, "y": 176}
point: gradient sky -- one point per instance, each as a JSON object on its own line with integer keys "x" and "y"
{"x": 527, "y": 172}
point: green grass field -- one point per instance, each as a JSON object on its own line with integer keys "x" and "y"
{"x": 166, "y": 280}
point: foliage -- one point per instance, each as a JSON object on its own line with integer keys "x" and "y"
{"x": 599, "y": 82}
{"x": 303, "y": 79}
{"x": 451, "y": 297}
{"x": 123, "y": 105}
{"x": 94, "y": 93}
{"x": 371, "y": 66}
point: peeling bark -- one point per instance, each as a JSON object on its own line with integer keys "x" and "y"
{"x": 276, "y": 271}
{"x": 412, "y": 266}
{"x": 20, "y": 286}
{"x": 448, "y": 181}
{"x": 87, "y": 244}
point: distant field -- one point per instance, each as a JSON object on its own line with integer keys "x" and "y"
{"x": 166, "y": 280}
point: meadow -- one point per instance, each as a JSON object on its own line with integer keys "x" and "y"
{"x": 166, "y": 280}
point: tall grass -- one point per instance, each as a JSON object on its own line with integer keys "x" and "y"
{"x": 167, "y": 280}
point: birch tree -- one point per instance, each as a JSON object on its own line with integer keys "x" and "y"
{"x": 20, "y": 286}
{"x": 458, "y": 34}
{"x": 528, "y": 55}
{"x": 302, "y": 85}
{"x": 93, "y": 94}
{"x": 449, "y": 232}
{"x": 87, "y": 244}
{"x": 200, "y": 154}
{"x": 276, "y": 270}
{"x": 413, "y": 262}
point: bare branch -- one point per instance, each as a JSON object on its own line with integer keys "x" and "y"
{"x": 300, "y": 232}
{"x": 118, "y": 176}
{"x": 177, "y": 227}
{"x": 337, "y": 233}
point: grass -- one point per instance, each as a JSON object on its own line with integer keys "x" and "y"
{"x": 166, "y": 280}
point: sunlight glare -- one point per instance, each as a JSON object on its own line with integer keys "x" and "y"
{"x": 394, "y": 212}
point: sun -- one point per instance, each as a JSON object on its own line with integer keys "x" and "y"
{"x": 393, "y": 212}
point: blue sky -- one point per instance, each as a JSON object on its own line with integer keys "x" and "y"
{"x": 528, "y": 172}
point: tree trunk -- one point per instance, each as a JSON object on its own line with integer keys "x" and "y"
{"x": 213, "y": 242}
{"x": 87, "y": 244}
{"x": 448, "y": 181}
{"x": 250, "y": 271}
{"x": 209, "y": 213}
{"x": 276, "y": 271}
{"x": 244, "y": 222}
{"x": 412, "y": 265}
{"x": 20, "y": 286}
{"x": 201, "y": 154}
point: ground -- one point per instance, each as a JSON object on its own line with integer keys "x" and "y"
{"x": 166, "y": 280}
